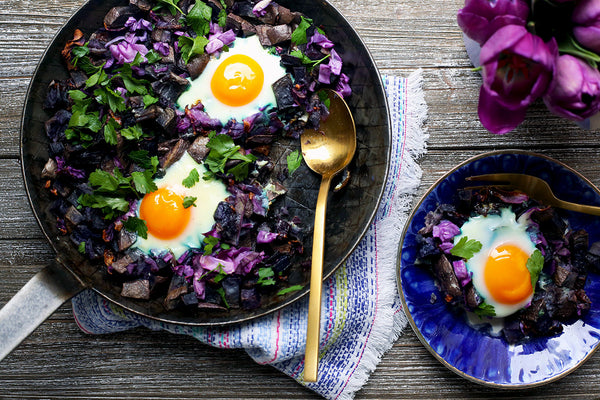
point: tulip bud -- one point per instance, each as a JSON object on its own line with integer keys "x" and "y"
{"x": 586, "y": 17}
{"x": 575, "y": 90}
{"x": 517, "y": 68}
{"x": 479, "y": 19}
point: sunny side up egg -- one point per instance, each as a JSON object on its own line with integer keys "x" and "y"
{"x": 499, "y": 270}
{"x": 237, "y": 84}
{"x": 172, "y": 226}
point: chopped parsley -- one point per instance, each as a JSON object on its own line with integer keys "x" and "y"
{"x": 189, "y": 201}
{"x": 191, "y": 46}
{"x": 265, "y": 276}
{"x": 290, "y": 289}
{"x": 294, "y": 159}
{"x": 209, "y": 244}
{"x": 192, "y": 178}
{"x": 137, "y": 226}
{"x": 171, "y": 5}
{"x": 299, "y": 34}
{"x": 485, "y": 310}
{"x": 465, "y": 248}
{"x": 199, "y": 18}
{"x": 535, "y": 264}
{"x": 222, "y": 149}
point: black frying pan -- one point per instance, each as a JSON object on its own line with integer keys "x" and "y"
{"x": 350, "y": 211}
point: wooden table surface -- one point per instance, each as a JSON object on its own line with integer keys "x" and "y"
{"x": 59, "y": 361}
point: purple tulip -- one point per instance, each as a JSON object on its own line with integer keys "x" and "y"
{"x": 517, "y": 68}
{"x": 479, "y": 19}
{"x": 586, "y": 17}
{"x": 575, "y": 90}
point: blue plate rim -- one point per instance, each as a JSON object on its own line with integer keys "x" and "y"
{"x": 405, "y": 307}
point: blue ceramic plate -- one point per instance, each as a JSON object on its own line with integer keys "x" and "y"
{"x": 474, "y": 353}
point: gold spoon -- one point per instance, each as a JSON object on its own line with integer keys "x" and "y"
{"x": 327, "y": 152}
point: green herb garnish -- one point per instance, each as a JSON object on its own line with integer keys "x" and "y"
{"x": 191, "y": 179}
{"x": 171, "y": 5}
{"x": 535, "y": 264}
{"x": 137, "y": 226}
{"x": 191, "y": 46}
{"x": 189, "y": 201}
{"x": 299, "y": 34}
{"x": 199, "y": 18}
{"x": 485, "y": 310}
{"x": 209, "y": 243}
{"x": 222, "y": 149}
{"x": 294, "y": 159}
{"x": 265, "y": 276}
{"x": 465, "y": 248}
{"x": 290, "y": 289}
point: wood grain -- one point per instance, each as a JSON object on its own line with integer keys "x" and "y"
{"x": 59, "y": 361}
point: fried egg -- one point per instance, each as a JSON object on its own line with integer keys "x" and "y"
{"x": 237, "y": 84}
{"x": 499, "y": 270}
{"x": 172, "y": 226}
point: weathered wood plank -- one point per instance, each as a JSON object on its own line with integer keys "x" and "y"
{"x": 58, "y": 361}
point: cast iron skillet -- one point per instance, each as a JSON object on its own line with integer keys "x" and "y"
{"x": 351, "y": 209}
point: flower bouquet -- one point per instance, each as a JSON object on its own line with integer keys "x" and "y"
{"x": 532, "y": 49}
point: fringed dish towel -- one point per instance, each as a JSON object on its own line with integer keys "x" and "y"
{"x": 361, "y": 313}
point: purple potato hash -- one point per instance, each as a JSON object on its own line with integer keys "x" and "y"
{"x": 559, "y": 295}
{"x": 115, "y": 127}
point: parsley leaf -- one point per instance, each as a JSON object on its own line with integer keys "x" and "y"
{"x": 171, "y": 5}
{"x": 465, "y": 248}
{"x": 81, "y": 247}
{"x": 324, "y": 98}
{"x": 137, "y": 226}
{"x": 153, "y": 56}
{"x": 485, "y": 310}
{"x": 108, "y": 204}
{"x": 307, "y": 60}
{"x": 105, "y": 181}
{"x": 265, "y": 276}
{"x": 143, "y": 182}
{"x": 222, "y": 148}
{"x": 299, "y": 34}
{"x": 189, "y": 201}
{"x": 110, "y": 131}
{"x": 294, "y": 159}
{"x": 191, "y": 179}
{"x": 199, "y": 18}
{"x": 222, "y": 18}
{"x": 209, "y": 244}
{"x": 221, "y": 292}
{"x": 535, "y": 264}
{"x": 134, "y": 132}
{"x": 142, "y": 158}
{"x": 149, "y": 100}
{"x": 290, "y": 289}
{"x": 191, "y": 46}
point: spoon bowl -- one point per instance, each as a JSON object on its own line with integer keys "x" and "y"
{"x": 326, "y": 151}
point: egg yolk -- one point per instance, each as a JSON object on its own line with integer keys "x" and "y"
{"x": 237, "y": 80}
{"x": 506, "y": 275}
{"x": 164, "y": 213}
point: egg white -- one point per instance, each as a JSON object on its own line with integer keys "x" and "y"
{"x": 208, "y": 194}
{"x": 200, "y": 88}
{"x": 492, "y": 231}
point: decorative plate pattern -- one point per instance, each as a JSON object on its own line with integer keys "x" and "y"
{"x": 473, "y": 352}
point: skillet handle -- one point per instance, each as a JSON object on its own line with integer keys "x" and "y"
{"x": 34, "y": 303}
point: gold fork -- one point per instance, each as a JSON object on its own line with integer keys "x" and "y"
{"x": 535, "y": 187}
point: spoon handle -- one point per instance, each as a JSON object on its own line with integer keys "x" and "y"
{"x": 311, "y": 358}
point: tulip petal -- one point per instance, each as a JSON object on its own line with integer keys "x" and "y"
{"x": 495, "y": 117}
